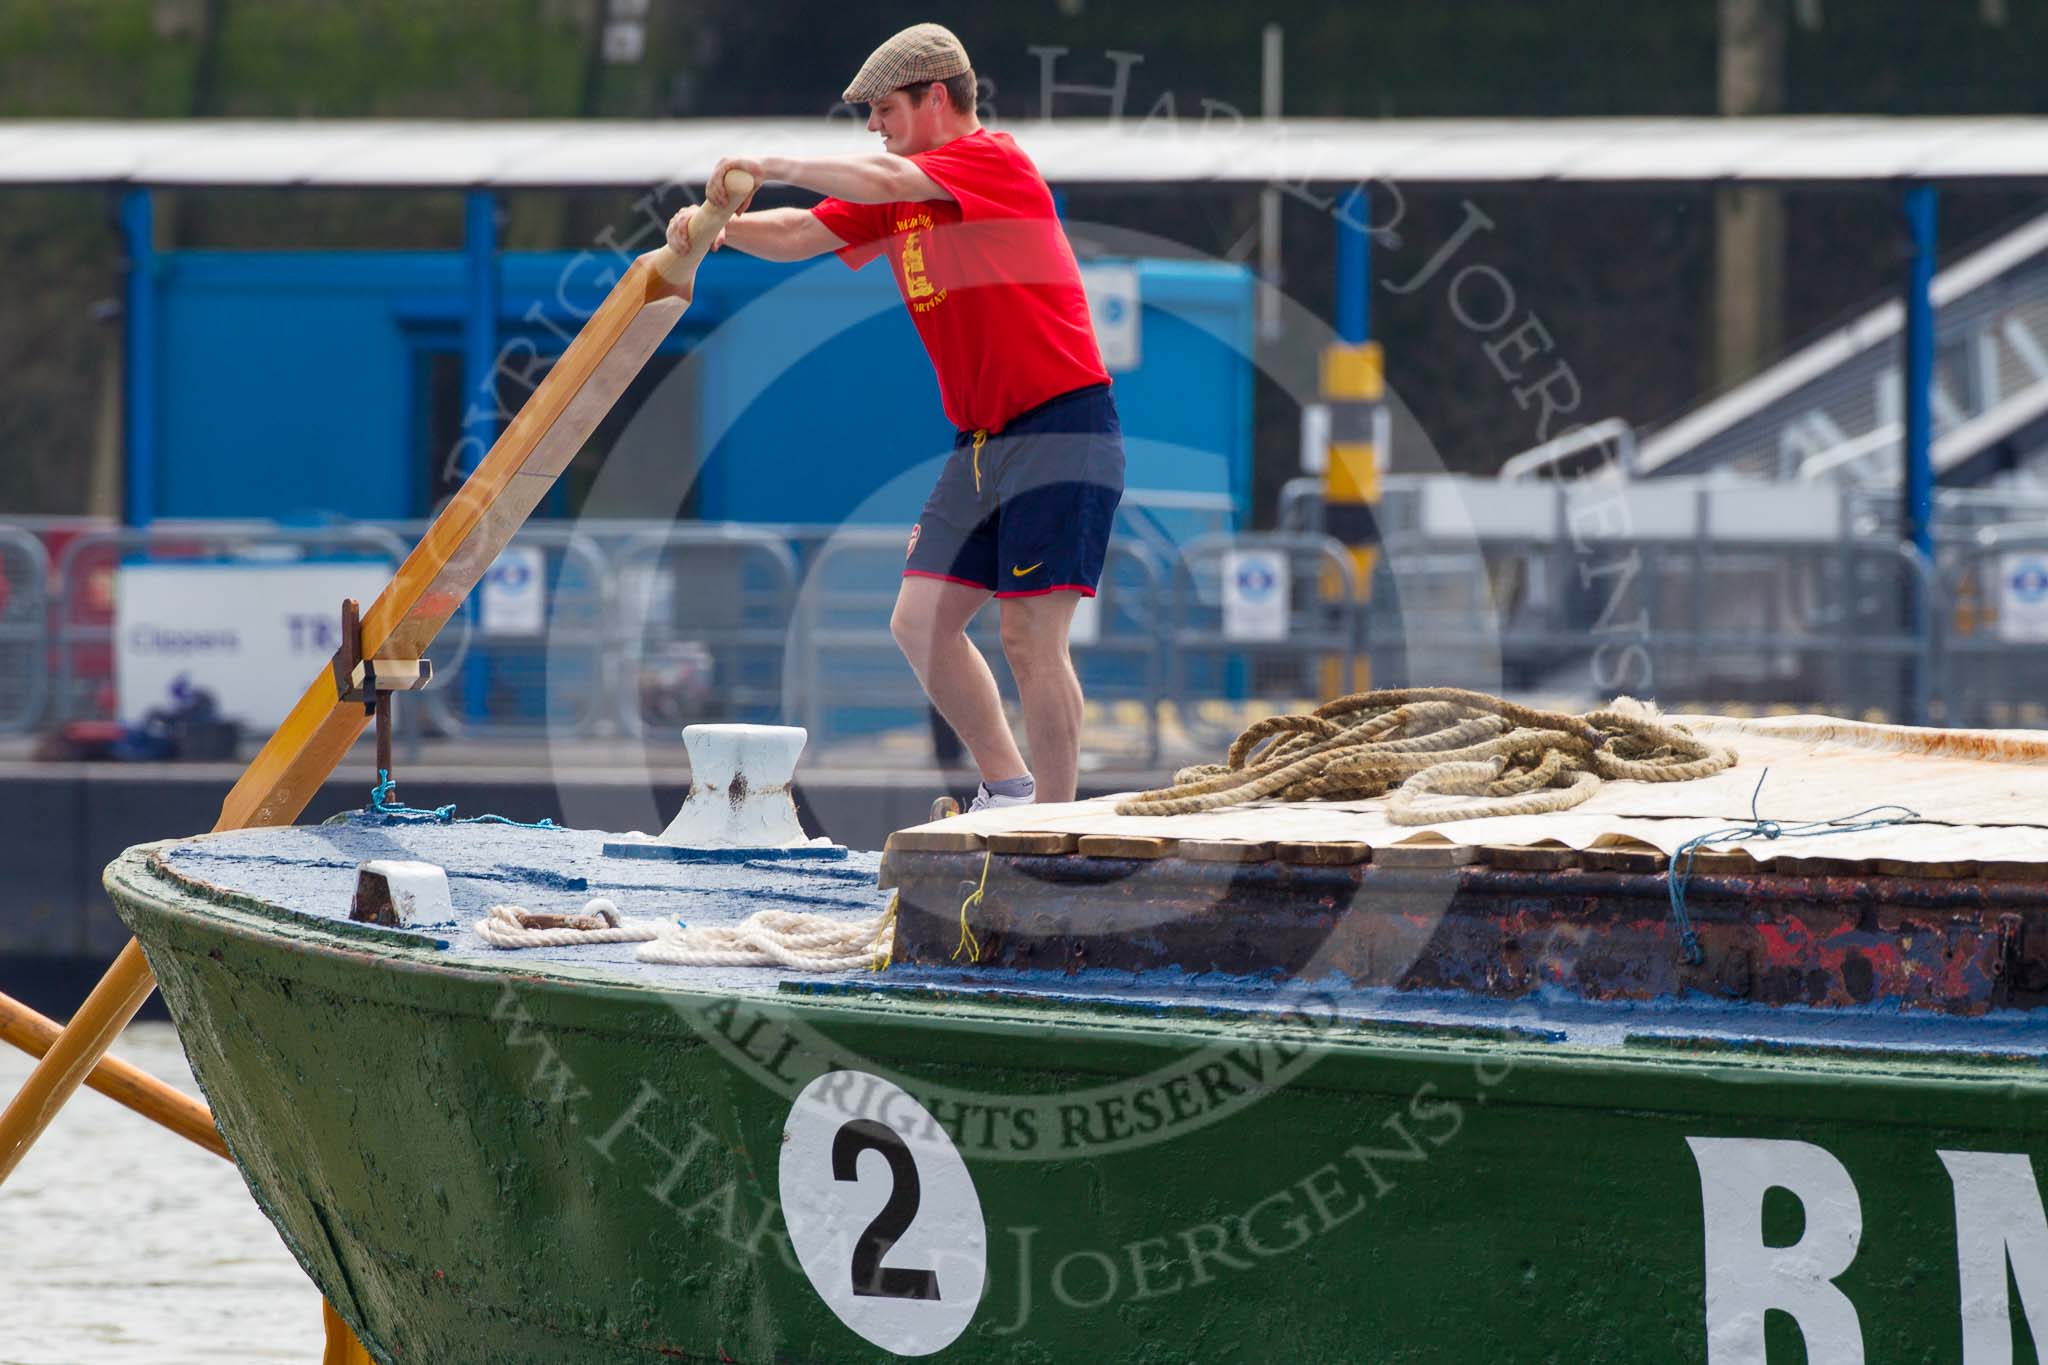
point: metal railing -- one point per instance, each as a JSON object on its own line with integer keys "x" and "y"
{"x": 532, "y": 656}
{"x": 649, "y": 627}
{"x": 849, "y": 678}
{"x": 1547, "y": 459}
{"x": 1993, "y": 659}
{"x": 1692, "y": 618}
{"x": 700, "y": 627}
{"x": 1123, "y": 664}
{"x": 1319, "y": 625}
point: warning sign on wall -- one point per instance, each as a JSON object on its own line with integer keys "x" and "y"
{"x": 1255, "y": 593}
{"x": 2023, "y": 597}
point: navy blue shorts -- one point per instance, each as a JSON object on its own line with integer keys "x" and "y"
{"x": 1026, "y": 511}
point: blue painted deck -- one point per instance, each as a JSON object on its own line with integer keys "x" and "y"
{"x": 311, "y": 870}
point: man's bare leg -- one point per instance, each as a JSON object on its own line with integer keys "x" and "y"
{"x": 930, "y": 626}
{"x": 1035, "y": 642}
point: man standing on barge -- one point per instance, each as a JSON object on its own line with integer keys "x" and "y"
{"x": 1023, "y": 507}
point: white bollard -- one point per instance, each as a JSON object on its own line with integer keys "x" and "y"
{"x": 398, "y": 892}
{"x": 739, "y": 788}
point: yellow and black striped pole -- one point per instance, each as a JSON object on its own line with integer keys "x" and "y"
{"x": 1353, "y": 390}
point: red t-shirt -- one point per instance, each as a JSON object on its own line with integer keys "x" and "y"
{"x": 989, "y": 278}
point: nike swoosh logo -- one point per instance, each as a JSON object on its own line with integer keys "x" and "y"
{"x": 1016, "y": 572}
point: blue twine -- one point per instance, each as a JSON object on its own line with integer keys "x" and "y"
{"x": 1680, "y": 872}
{"x": 381, "y": 805}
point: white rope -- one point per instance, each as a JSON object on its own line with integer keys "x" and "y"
{"x": 779, "y": 938}
{"x": 768, "y": 938}
{"x": 507, "y": 926}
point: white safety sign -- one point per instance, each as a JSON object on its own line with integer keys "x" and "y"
{"x": 1086, "y": 627}
{"x": 882, "y": 1213}
{"x": 254, "y": 635}
{"x": 2023, "y": 597}
{"x": 1256, "y": 590}
{"x": 515, "y": 593}
{"x": 1116, "y": 309}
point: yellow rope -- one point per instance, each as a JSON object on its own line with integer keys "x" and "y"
{"x": 969, "y": 944}
{"x": 885, "y": 935}
{"x": 1513, "y": 759}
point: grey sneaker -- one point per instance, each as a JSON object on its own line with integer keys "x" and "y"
{"x": 984, "y": 799}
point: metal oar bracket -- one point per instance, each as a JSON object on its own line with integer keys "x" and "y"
{"x": 372, "y": 681}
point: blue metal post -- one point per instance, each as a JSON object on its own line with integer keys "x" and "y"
{"x": 480, "y": 327}
{"x": 1354, "y": 268}
{"x": 1918, "y": 512}
{"x": 139, "y": 358}
{"x": 480, "y": 402}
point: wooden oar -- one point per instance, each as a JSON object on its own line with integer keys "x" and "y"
{"x": 456, "y": 550}
{"x": 125, "y": 1085}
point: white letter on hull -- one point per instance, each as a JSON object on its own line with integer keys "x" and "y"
{"x": 1746, "y": 1277}
{"x": 1999, "y": 1220}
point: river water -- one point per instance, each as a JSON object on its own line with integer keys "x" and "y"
{"x": 121, "y": 1244}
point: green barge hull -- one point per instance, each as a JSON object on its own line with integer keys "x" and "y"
{"x": 516, "y": 1159}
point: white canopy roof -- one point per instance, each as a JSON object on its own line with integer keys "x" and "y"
{"x": 515, "y": 154}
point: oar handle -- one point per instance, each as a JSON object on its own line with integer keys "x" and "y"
{"x": 679, "y": 268}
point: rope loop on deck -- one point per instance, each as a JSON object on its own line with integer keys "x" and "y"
{"x": 511, "y": 926}
{"x": 1439, "y": 741}
{"x": 769, "y": 938}
{"x": 799, "y": 941}
{"x": 1679, "y": 875}
{"x": 385, "y": 805}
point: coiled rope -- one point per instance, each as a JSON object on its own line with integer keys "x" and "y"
{"x": 780, "y": 938}
{"x": 769, "y": 938}
{"x": 510, "y": 926}
{"x": 1441, "y": 741}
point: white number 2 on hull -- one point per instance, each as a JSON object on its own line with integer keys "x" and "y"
{"x": 882, "y": 1213}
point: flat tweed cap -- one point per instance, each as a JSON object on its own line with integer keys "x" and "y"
{"x": 922, "y": 52}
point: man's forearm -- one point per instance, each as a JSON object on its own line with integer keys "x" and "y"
{"x": 769, "y": 234}
{"x": 863, "y": 178}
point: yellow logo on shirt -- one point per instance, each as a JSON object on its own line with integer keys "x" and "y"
{"x": 915, "y": 283}
{"x": 918, "y": 290}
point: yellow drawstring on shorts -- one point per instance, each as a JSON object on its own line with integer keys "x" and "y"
{"x": 980, "y": 440}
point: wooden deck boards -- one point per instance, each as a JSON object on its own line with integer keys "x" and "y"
{"x": 1435, "y": 851}
{"x": 1951, "y": 805}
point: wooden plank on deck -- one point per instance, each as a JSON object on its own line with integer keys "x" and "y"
{"x": 1124, "y": 846}
{"x": 1335, "y": 853}
{"x": 1548, "y": 856}
{"x": 933, "y": 841}
{"x": 1431, "y": 852}
{"x": 1226, "y": 850}
{"x": 1037, "y": 841}
{"x": 1630, "y": 857}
